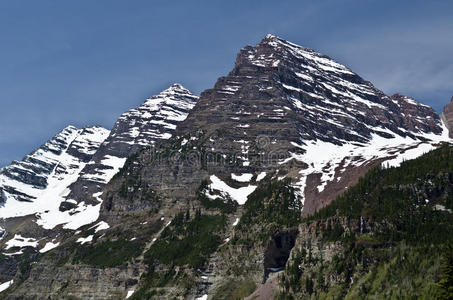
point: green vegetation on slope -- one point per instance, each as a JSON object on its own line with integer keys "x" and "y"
{"x": 446, "y": 280}
{"x": 386, "y": 234}
{"x": 412, "y": 200}
{"x": 235, "y": 290}
{"x": 272, "y": 202}
{"x": 107, "y": 253}
{"x": 183, "y": 247}
{"x": 225, "y": 206}
{"x": 187, "y": 242}
{"x": 271, "y": 210}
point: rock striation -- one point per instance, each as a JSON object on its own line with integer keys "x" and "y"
{"x": 136, "y": 129}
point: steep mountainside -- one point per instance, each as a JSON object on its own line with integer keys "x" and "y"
{"x": 268, "y": 119}
{"x": 39, "y": 181}
{"x": 56, "y": 188}
{"x": 214, "y": 211}
{"x": 67, "y": 170}
{"x": 447, "y": 117}
{"x": 284, "y": 107}
{"x": 383, "y": 238}
{"x": 138, "y": 128}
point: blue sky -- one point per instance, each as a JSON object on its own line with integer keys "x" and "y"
{"x": 85, "y": 62}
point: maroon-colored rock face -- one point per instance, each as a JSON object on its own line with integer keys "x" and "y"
{"x": 416, "y": 117}
{"x": 447, "y": 117}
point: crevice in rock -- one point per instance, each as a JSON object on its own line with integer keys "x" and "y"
{"x": 278, "y": 251}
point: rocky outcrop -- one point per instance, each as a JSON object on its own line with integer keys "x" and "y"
{"x": 75, "y": 282}
{"x": 417, "y": 117}
{"x": 447, "y": 117}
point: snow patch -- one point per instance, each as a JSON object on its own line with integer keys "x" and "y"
{"x": 239, "y": 195}
{"x": 49, "y": 246}
{"x": 20, "y": 241}
{"x": 129, "y": 294}
{"x": 100, "y": 226}
{"x": 88, "y": 239}
{"x": 245, "y": 177}
{"x": 4, "y": 286}
{"x": 325, "y": 158}
{"x": 261, "y": 176}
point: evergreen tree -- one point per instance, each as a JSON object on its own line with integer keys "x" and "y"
{"x": 446, "y": 281}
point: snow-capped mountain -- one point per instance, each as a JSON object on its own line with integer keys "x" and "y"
{"x": 153, "y": 121}
{"x": 284, "y": 111}
{"x": 25, "y": 184}
{"x": 75, "y": 161}
{"x": 288, "y": 110}
{"x": 283, "y": 103}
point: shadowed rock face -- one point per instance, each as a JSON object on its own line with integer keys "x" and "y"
{"x": 278, "y": 251}
{"x": 447, "y": 117}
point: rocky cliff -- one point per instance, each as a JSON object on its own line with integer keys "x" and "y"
{"x": 447, "y": 117}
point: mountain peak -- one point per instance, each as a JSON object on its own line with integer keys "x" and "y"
{"x": 69, "y": 128}
{"x": 333, "y": 103}
{"x": 54, "y": 162}
{"x": 176, "y": 86}
{"x": 174, "y": 89}
{"x": 176, "y": 94}
{"x": 271, "y": 36}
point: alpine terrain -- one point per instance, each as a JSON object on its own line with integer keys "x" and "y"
{"x": 291, "y": 178}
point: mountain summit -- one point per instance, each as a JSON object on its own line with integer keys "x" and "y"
{"x": 283, "y": 102}
{"x": 136, "y": 129}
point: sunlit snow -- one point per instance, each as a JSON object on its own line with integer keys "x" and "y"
{"x": 49, "y": 246}
{"x": 20, "y": 241}
{"x": 4, "y": 286}
{"x": 85, "y": 240}
{"x": 246, "y": 177}
{"x": 239, "y": 195}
